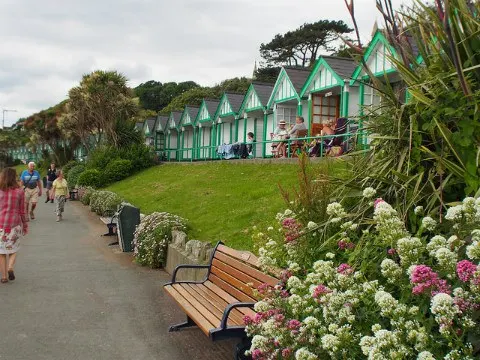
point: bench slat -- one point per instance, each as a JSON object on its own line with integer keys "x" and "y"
{"x": 232, "y": 321}
{"x": 253, "y": 272}
{"x": 226, "y": 285}
{"x": 197, "y": 305}
{"x": 217, "y": 302}
{"x": 243, "y": 278}
{"x": 244, "y": 256}
{"x": 191, "y": 311}
{"x": 227, "y": 297}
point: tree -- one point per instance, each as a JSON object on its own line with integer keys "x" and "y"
{"x": 267, "y": 74}
{"x": 100, "y": 104}
{"x": 154, "y": 95}
{"x": 301, "y": 47}
{"x": 190, "y": 97}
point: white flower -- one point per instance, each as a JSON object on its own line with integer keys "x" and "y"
{"x": 436, "y": 243}
{"x": 455, "y": 213}
{"x": 428, "y": 223}
{"x": 369, "y": 192}
{"x": 446, "y": 259}
{"x": 473, "y": 250}
{"x": 418, "y": 210}
{"x": 330, "y": 343}
{"x": 329, "y": 255}
{"x": 259, "y": 342}
{"x": 294, "y": 283}
{"x": 391, "y": 270}
{"x": 409, "y": 249}
{"x": 425, "y": 355}
{"x": 293, "y": 266}
{"x": 304, "y": 354}
{"x": 445, "y": 310}
{"x": 288, "y": 212}
{"x": 311, "y": 225}
{"x": 311, "y": 322}
{"x": 336, "y": 209}
{"x": 261, "y": 306}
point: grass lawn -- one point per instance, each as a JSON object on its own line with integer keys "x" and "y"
{"x": 220, "y": 200}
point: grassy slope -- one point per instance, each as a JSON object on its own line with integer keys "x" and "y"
{"x": 221, "y": 200}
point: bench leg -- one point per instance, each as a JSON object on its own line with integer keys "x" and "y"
{"x": 177, "y": 327}
{"x": 241, "y": 347}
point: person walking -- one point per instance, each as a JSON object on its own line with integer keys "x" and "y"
{"x": 51, "y": 176}
{"x": 32, "y": 186}
{"x": 60, "y": 193}
{"x": 13, "y": 221}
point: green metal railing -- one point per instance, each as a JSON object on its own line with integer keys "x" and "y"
{"x": 209, "y": 152}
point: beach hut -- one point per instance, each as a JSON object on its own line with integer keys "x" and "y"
{"x": 205, "y": 124}
{"x": 225, "y": 116}
{"x": 187, "y": 132}
{"x": 172, "y": 135}
{"x": 253, "y": 116}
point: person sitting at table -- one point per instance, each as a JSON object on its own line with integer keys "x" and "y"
{"x": 278, "y": 136}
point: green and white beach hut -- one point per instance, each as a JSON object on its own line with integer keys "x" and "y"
{"x": 329, "y": 93}
{"x": 285, "y": 101}
{"x": 187, "y": 132}
{"x": 225, "y": 116}
{"x": 148, "y": 131}
{"x": 172, "y": 135}
{"x": 253, "y": 116}
{"x": 205, "y": 123}
{"x": 161, "y": 135}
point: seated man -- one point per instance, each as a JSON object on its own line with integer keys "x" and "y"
{"x": 299, "y": 125}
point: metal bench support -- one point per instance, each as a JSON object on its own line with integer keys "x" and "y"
{"x": 177, "y": 327}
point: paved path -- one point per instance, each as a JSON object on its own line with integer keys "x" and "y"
{"x": 77, "y": 298}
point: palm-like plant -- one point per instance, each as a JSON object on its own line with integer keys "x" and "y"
{"x": 426, "y": 151}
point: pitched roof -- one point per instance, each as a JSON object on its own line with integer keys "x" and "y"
{"x": 177, "y": 115}
{"x": 235, "y": 100}
{"x": 162, "y": 119}
{"x": 150, "y": 123}
{"x": 344, "y": 67}
{"x": 139, "y": 125}
{"x": 297, "y": 77}
{"x": 211, "y": 105}
{"x": 263, "y": 90}
{"x": 193, "y": 111}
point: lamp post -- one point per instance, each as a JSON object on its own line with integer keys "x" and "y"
{"x": 3, "y": 116}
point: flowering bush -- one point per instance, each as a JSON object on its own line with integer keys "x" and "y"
{"x": 87, "y": 195}
{"x": 375, "y": 290}
{"x": 152, "y": 236}
{"x": 104, "y": 202}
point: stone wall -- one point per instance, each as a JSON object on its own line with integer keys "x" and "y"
{"x": 184, "y": 251}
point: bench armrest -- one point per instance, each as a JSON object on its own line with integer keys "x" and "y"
{"x": 229, "y": 308}
{"x": 185, "y": 266}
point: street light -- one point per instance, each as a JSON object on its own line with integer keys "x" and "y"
{"x": 3, "y": 118}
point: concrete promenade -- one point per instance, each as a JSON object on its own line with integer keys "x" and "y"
{"x": 77, "y": 298}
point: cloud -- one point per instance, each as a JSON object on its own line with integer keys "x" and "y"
{"x": 48, "y": 45}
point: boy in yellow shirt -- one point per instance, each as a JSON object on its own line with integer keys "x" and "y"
{"x": 60, "y": 193}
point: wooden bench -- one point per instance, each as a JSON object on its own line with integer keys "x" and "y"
{"x": 111, "y": 223}
{"x": 218, "y": 304}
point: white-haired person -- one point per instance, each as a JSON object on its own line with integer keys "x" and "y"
{"x": 32, "y": 186}
{"x": 60, "y": 193}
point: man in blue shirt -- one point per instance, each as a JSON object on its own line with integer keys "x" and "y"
{"x": 32, "y": 186}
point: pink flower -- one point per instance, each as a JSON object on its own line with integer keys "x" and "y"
{"x": 466, "y": 270}
{"x": 279, "y": 318}
{"x": 377, "y": 201}
{"x": 257, "y": 354}
{"x": 344, "y": 269}
{"x": 391, "y": 251}
{"x": 320, "y": 290}
{"x": 293, "y": 324}
{"x": 286, "y": 352}
{"x": 247, "y": 320}
{"x": 426, "y": 280}
{"x": 343, "y": 245}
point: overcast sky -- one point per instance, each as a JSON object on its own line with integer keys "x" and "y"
{"x": 47, "y": 45}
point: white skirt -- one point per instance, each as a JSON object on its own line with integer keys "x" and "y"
{"x": 10, "y": 241}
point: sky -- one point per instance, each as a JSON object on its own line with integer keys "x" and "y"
{"x": 46, "y": 46}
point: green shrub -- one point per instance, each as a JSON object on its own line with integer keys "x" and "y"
{"x": 101, "y": 156}
{"x": 142, "y": 156}
{"x": 91, "y": 177}
{"x": 104, "y": 202}
{"x": 87, "y": 195}
{"x": 152, "y": 236}
{"x": 117, "y": 170}
{"x": 73, "y": 174}
{"x": 66, "y": 168}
